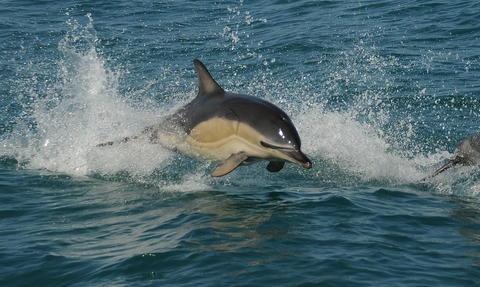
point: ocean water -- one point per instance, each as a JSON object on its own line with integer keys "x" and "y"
{"x": 381, "y": 93}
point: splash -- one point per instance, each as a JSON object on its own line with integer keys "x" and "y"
{"x": 345, "y": 125}
{"x": 81, "y": 109}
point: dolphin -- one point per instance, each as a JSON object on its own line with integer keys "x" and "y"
{"x": 467, "y": 153}
{"x": 228, "y": 128}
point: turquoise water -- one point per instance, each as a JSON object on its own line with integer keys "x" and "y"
{"x": 381, "y": 93}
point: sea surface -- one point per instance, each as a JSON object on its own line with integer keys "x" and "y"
{"x": 381, "y": 93}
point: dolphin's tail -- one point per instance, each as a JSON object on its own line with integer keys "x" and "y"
{"x": 455, "y": 161}
{"x": 124, "y": 140}
{"x": 127, "y": 139}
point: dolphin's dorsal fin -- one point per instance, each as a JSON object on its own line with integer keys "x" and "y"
{"x": 230, "y": 164}
{"x": 206, "y": 84}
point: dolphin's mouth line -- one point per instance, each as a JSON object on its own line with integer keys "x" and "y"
{"x": 296, "y": 155}
{"x": 267, "y": 145}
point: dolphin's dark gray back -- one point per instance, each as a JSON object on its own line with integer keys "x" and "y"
{"x": 212, "y": 101}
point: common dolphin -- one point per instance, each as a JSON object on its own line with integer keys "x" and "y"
{"x": 467, "y": 153}
{"x": 228, "y": 128}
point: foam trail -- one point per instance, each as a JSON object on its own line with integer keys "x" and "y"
{"x": 356, "y": 148}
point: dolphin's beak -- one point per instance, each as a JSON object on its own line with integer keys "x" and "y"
{"x": 295, "y": 155}
{"x": 298, "y": 157}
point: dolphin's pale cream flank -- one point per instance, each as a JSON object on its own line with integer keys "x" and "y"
{"x": 227, "y": 128}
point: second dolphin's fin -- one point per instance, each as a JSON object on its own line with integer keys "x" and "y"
{"x": 455, "y": 161}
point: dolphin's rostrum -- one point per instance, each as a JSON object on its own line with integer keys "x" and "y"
{"x": 228, "y": 128}
{"x": 467, "y": 153}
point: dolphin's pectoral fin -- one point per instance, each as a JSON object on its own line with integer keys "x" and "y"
{"x": 230, "y": 164}
{"x": 275, "y": 166}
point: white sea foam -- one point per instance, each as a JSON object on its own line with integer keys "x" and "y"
{"x": 85, "y": 109}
